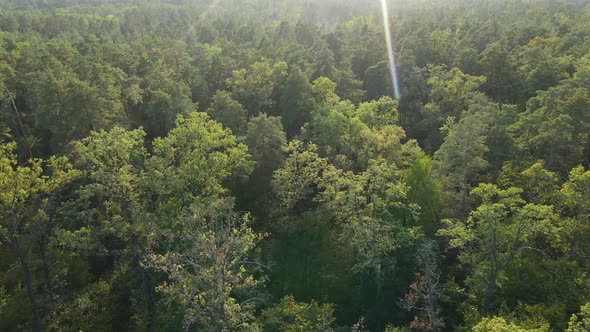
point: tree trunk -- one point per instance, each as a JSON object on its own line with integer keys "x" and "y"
{"x": 146, "y": 284}
{"x": 490, "y": 290}
{"x": 48, "y": 299}
{"x": 221, "y": 289}
{"x": 495, "y": 270}
{"x": 432, "y": 310}
{"x": 379, "y": 295}
{"x": 37, "y": 327}
{"x": 147, "y": 288}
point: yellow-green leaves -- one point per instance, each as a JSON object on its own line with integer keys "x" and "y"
{"x": 325, "y": 91}
{"x": 502, "y": 227}
{"x": 581, "y": 321}
{"x": 297, "y": 181}
{"x": 195, "y": 158}
{"x": 25, "y": 189}
{"x": 254, "y": 87}
{"x": 210, "y": 262}
{"x": 499, "y": 324}
{"x": 291, "y": 316}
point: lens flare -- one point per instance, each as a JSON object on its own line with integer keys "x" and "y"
{"x": 389, "y": 42}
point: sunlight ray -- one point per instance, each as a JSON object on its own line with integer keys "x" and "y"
{"x": 390, "y": 54}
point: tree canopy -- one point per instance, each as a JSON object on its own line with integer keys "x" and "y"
{"x": 227, "y": 165}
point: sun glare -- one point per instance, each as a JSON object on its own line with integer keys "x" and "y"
{"x": 389, "y": 42}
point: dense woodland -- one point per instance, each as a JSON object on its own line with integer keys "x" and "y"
{"x": 225, "y": 165}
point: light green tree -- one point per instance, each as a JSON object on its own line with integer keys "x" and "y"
{"x": 192, "y": 163}
{"x": 581, "y": 321}
{"x": 452, "y": 93}
{"x": 107, "y": 217}
{"x": 499, "y": 324}
{"x": 255, "y": 87}
{"x": 291, "y": 316}
{"x": 28, "y": 194}
{"x": 502, "y": 227}
{"x": 211, "y": 264}
{"x": 575, "y": 209}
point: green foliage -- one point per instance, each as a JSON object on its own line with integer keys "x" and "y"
{"x": 87, "y": 311}
{"x": 112, "y": 163}
{"x": 228, "y": 112}
{"x": 255, "y": 88}
{"x": 539, "y": 184}
{"x": 497, "y": 65}
{"x": 307, "y": 255}
{"x": 574, "y": 226}
{"x": 581, "y": 321}
{"x": 452, "y": 94}
{"x": 265, "y": 138}
{"x": 424, "y": 192}
{"x": 192, "y": 162}
{"x": 296, "y": 183}
{"x": 548, "y": 131}
{"x": 291, "y": 316}
{"x": 27, "y": 202}
{"x": 501, "y": 228}
{"x": 106, "y": 162}
{"x": 499, "y": 324}
{"x": 295, "y": 101}
{"x": 460, "y": 161}
{"x": 210, "y": 267}
{"x": 324, "y": 90}
{"x": 390, "y": 328}
{"x": 378, "y": 81}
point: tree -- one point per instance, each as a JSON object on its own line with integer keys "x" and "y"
{"x": 445, "y": 44}
{"x": 378, "y": 81}
{"x": 502, "y": 80}
{"x": 425, "y": 291}
{"x": 307, "y": 254}
{"x": 502, "y": 227}
{"x": 374, "y": 133}
{"x": 28, "y": 197}
{"x": 256, "y": 86}
{"x": 291, "y": 316}
{"x": 108, "y": 218}
{"x": 351, "y": 137}
{"x": 192, "y": 163}
{"x": 575, "y": 208}
{"x": 368, "y": 206}
{"x": 554, "y": 127}
{"x": 296, "y": 183}
{"x": 499, "y": 324}
{"x": 378, "y": 113}
{"x": 228, "y": 112}
{"x": 539, "y": 184}
{"x": 452, "y": 94}
{"x": 460, "y": 161}
{"x": 324, "y": 91}
{"x": 265, "y": 138}
{"x": 165, "y": 106}
{"x": 542, "y": 65}
{"x": 295, "y": 101}
{"x": 424, "y": 192}
{"x": 495, "y": 92}
{"x": 69, "y": 105}
{"x": 581, "y": 321}
{"x": 212, "y": 263}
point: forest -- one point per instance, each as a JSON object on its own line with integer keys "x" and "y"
{"x": 263, "y": 165}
